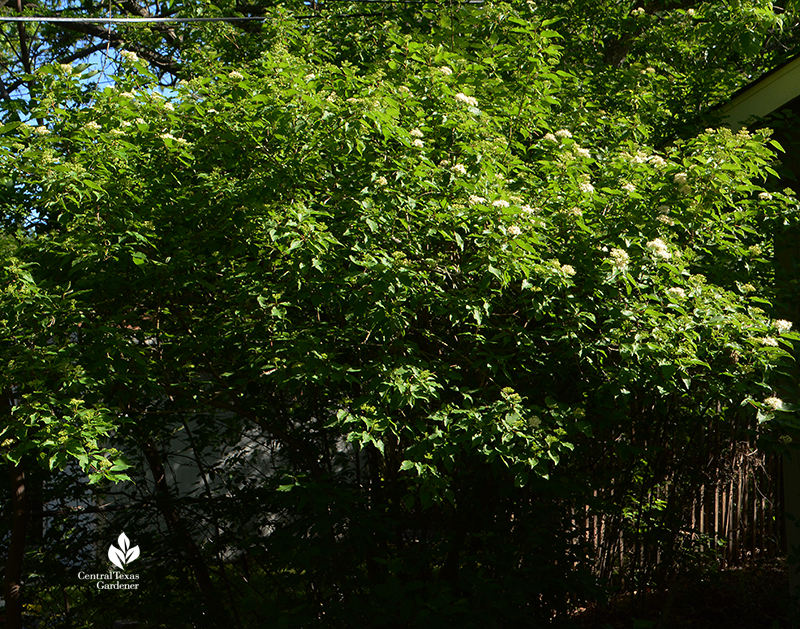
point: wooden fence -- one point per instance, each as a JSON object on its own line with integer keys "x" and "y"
{"x": 735, "y": 521}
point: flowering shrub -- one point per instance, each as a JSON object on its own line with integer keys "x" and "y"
{"x": 445, "y": 340}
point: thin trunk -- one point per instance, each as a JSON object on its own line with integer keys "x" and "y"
{"x": 177, "y": 525}
{"x": 12, "y": 582}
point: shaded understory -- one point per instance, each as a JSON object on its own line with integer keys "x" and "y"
{"x": 754, "y": 597}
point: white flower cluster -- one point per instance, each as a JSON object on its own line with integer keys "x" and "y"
{"x": 233, "y": 74}
{"x": 92, "y": 125}
{"x": 418, "y": 143}
{"x": 66, "y": 68}
{"x": 659, "y": 249}
{"x": 445, "y": 70}
{"x": 381, "y": 181}
{"x": 629, "y": 187}
{"x": 549, "y": 137}
{"x": 582, "y": 152}
{"x": 169, "y": 136}
{"x": 474, "y": 199}
{"x": 563, "y": 133}
{"x": 768, "y": 341}
{"x": 41, "y": 130}
{"x": 130, "y": 95}
{"x": 568, "y": 270}
{"x": 774, "y": 403}
{"x": 677, "y": 291}
{"x": 403, "y": 89}
{"x": 658, "y": 161}
{"x": 459, "y": 169}
{"x": 681, "y": 180}
{"x": 586, "y": 187}
{"x": 415, "y": 133}
{"x": 500, "y": 203}
{"x": 527, "y": 209}
{"x": 169, "y": 106}
{"x": 764, "y": 196}
{"x": 782, "y": 325}
{"x": 513, "y": 230}
{"x": 467, "y": 100}
{"x": 129, "y": 56}
{"x": 619, "y": 258}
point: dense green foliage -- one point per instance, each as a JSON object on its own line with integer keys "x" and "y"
{"x": 408, "y": 294}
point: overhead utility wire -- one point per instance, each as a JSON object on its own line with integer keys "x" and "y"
{"x": 162, "y": 20}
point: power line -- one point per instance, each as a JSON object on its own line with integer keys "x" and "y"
{"x": 183, "y": 20}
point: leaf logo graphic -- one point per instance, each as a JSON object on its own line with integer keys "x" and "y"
{"x": 124, "y": 554}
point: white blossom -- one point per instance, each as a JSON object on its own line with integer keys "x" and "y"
{"x": 500, "y": 203}
{"x": 66, "y": 68}
{"x": 415, "y": 133}
{"x": 381, "y": 181}
{"x": 659, "y": 248}
{"x": 41, "y": 130}
{"x": 474, "y": 199}
{"x": 677, "y": 291}
{"x": 586, "y": 187}
{"x": 513, "y": 230}
{"x": 549, "y": 137}
{"x": 663, "y": 218}
{"x": 680, "y": 179}
{"x": 629, "y": 187}
{"x": 169, "y": 106}
{"x": 563, "y": 133}
{"x": 130, "y": 95}
{"x": 309, "y": 77}
{"x": 582, "y": 152}
{"x": 129, "y": 56}
{"x": 527, "y": 209}
{"x": 619, "y": 258}
{"x": 782, "y": 325}
{"x": 403, "y": 89}
{"x": 658, "y": 161}
{"x": 445, "y": 70}
{"x": 467, "y": 100}
{"x": 768, "y": 341}
{"x": 418, "y": 143}
{"x": 637, "y": 11}
{"x": 460, "y": 169}
{"x": 764, "y": 196}
{"x": 141, "y": 121}
{"x": 774, "y": 403}
{"x": 169, "y": 136}
{"x": 568, "y": 270}
{"x": 92, "y": 125}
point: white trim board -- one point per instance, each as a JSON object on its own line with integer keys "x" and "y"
{"x": 764, "y": 96}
